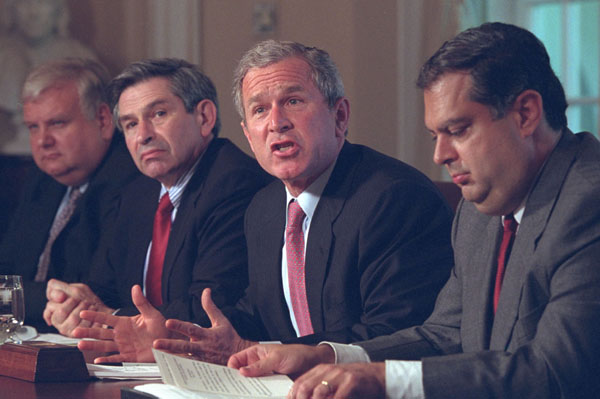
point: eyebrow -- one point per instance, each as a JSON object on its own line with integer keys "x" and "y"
{"x": 450, "y": 122}
{"x": 288, "y": 90}
{"x": 145, "y": 109}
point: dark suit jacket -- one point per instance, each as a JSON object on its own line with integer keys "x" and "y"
{"x": 377, "y": 254}
{"x": 206, "y": 245}
{"x": 76, "y": 245}
{"x": 544, "y": 341}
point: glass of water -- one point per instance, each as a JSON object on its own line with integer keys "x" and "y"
{"x": 12, "y": 307}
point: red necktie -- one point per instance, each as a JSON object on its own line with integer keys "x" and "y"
{"x": 510, "y": 227}
{"x": 294, "y": 241}
{"x": 160, "y": 238}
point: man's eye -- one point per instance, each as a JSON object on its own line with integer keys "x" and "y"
{"x": 160, "y": 113}
{"x": 259, "y": 110}
{"x": 295, "y": 101}
{"x": 57, "y": 123}
{"x": 130, "y": 125}
{"x": 458, "y": 132}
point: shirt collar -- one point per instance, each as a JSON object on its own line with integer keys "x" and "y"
{"x": 176, "y": 190}
{"x": 309, "y": 198}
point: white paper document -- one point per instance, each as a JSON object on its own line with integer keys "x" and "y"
{"x": 218, "y": 381}
{"x": 128, "y": 371}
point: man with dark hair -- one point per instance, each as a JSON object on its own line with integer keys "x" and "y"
{"x": 179, "y": 227}
{"x": 519, "y": 315}
{"x": 69, "y": 202}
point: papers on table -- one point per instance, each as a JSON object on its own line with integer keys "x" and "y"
{"x": 195, "y": 379}
{"x": 128, "y": 371}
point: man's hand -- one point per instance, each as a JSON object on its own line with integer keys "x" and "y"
{"x": 66, "y": 301}
{"x": 131, "y": 337}
{"x": 293, "y": 360}
{"x": 214, "y": 344}
{"x": 352, "y": 380}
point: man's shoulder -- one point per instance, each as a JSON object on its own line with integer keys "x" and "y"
{"x": 371, "y": 171}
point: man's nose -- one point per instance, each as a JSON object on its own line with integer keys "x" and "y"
{"x": 279, "y": 122}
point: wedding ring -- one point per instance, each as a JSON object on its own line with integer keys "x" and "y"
{"x": 326, "y": 384}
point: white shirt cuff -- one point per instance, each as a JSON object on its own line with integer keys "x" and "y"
{"x": 348, "y": 353}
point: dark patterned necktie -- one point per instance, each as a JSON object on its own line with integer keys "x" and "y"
{"x": 59, "y": 223}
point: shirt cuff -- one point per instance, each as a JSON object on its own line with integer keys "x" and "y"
{"x": 348, "y": 353}
{"x": 404, "y": 379}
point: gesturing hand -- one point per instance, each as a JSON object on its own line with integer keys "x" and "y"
{"x": 214, "y": 344}
{"x": 131, "y": 337}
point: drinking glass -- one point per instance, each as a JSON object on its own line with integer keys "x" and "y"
{"x": 12, "y": 307}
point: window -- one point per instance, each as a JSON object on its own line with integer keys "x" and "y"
{"x": 570, "y": 30}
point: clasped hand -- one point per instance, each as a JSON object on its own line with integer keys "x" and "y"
{"x": 66, "y": 301}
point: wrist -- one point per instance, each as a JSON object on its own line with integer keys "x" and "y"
{"x": 325, "y": 354}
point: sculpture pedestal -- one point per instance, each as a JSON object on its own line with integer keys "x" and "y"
{"x": 39, "y": 361}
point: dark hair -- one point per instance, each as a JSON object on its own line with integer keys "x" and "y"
{"x": 325, "y": 74}
{"x": 503, "y": 61}
{"x": 186, "y": 80}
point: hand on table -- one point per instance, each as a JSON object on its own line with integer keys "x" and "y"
{"x": 293, "y": 360}
{"x": 337, "y": 381}
{"x": 130, "y": 336}
{"x": 214, "y": 344}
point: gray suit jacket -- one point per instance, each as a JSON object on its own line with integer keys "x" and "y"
{"x": 544, "y": 341}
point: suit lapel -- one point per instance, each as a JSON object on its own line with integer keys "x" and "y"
{"x": 321, "y": 237}
{"x": 181, "y": 225}
{"x": 537, "y": 212}
{"x": 271, "y": 244}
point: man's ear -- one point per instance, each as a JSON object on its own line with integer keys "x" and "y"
{"x": 247, "y": 134}
{"x": 105, "y": 121}
{"x": 341, "y": 111}
{"x": 529, "y": 111}
{"x": 206, "y": 116}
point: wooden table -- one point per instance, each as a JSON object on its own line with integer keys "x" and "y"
{"x": 12, "y": 388}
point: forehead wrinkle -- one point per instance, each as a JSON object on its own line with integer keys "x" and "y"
{"x": 286, "y": 90}
{"x": 145, "y": 109}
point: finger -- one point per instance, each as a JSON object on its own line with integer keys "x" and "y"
{"x": 57, "y": 296}
{"x": 73, "y": 320}
{"x": 213, "y": 312}
{"x": 99, "y": 317}
{"x": 117, "y": 358}
{"x": 141, "y": 303}
{"x": 63, "y": 311}
{"x": 81, "y": 292}
{"x": 259, "y": 367}
{"x": 191, "y": 330}
{"x": 48, "y": 311}
{"x": 242, "y": 359}
{"x": 94, "y": 332}
{"x": 176, "y": 346}
{"x": 55, "y": 285}
{"x": 97, "y": 346}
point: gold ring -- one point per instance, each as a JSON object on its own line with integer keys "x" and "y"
{"x": 326, "y": 384}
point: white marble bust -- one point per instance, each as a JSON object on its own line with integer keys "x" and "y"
{"x": 34, "y": 32}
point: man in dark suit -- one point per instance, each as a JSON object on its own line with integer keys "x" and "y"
{"x": 167, "y": 110}
{"x": 376, "y": 230}
{"x": 510, "y": 323}
{"x": 77, "y": 157}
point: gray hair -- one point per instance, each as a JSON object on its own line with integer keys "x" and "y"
{"x": 325, "y": 74}
{"x": 90, "y": 77}
{"x": 185, "y": 79}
